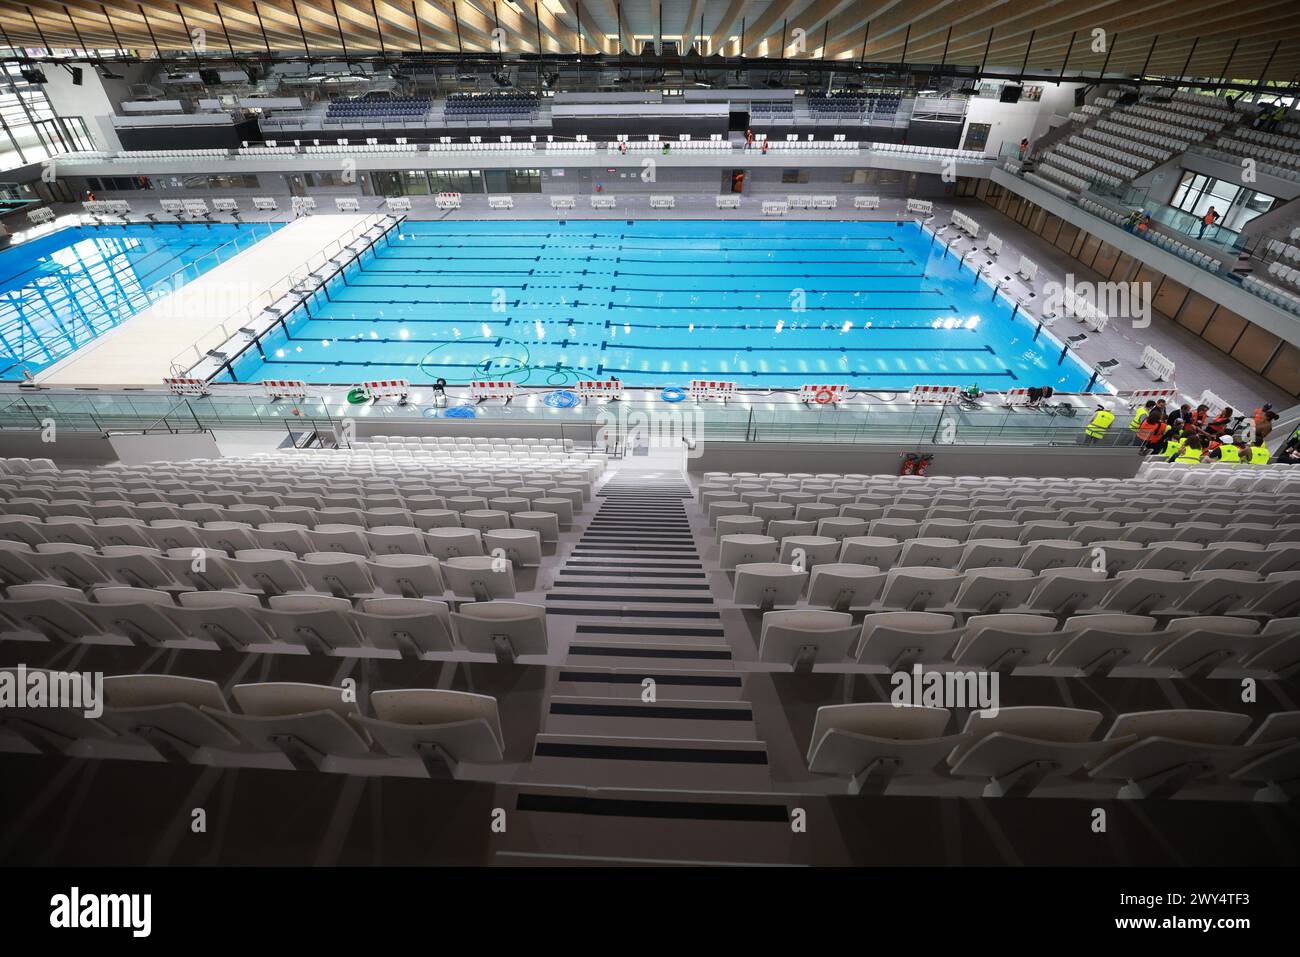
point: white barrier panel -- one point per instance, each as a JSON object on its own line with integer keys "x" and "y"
{"x": 921, "y": 206}
{"x": 1016, "y": 397}
{"x": 604, "y": 202}
{"x": 773, "y": 208}
{"x": 1083, "y": 310}
{"x": 268, "y": 203}
{"x": 965, "y": 224}
{"x": 501, "y": 202}
{"x": 302, "y": 204}
{"x": 225, "y": 206}
{"x": 285, "y": 388}
{"x": 797, "y": 202}
{"x": 396, "y": 204}
{"x": 711, "y": 389}
{"x": 112, "y": 207}
{"x": 195, "y": 207}
{"x": 994, "y": 244}
{"x": 866, "y": 202}
{"x": 181, "y": 385}
{"x": 447, "y": 201}
{"x": 823, "y": 394}
{"x": 39, "y": 216}
{"x": 727, "y": 202}
{"x": 600, "y": 389}
{"x": 563, "y": 202}
{"x": 172, "y": 206}
{"x": 822, "y": 202}
{"x": 386, "y": 389}
{"x": 1028, "y": 269}
{"x": 492, "y": 390}
{"x": 1159, "y": 365}
{"x": 1140, "y": 396}
{"x": 1216, "y": 403}
{"x": 663, "y": 202}
{"x": 942, "y": 394}
{"x": 347, "y": 204}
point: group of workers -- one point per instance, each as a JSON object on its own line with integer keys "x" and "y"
{"x": 1189, "y": 435}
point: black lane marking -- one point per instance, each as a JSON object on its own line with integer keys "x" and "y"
{"x": 610, "y": 752}
{"x": 674, "y": 810}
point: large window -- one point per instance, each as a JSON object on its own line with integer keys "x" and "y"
{"x": 794, "y": 176}
{"x": 1236, "y": 205}
{"x": 456, "y": 181}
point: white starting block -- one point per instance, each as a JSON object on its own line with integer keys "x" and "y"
{"x": 492, "y": 390}
{"x": 603, "y": 202}
{"x": 663, "y": 202}
{"x": 347, "y": 204}
{"x": 387, "y": 389}
{"x": 866, "y": 202}
{"x": 265, "y": 204}
{"x": 284, "y": 388}
{"x": 447, "y": 201}
{"x": 563, "y": 202}
{"x": 711, "y": 389}
{"x": 775, "y": 208}
{"x": 397, "y": 204}
{"x": 229, "y": 206}
{"x": 183, "y": 385}
{"x": 600, "y": 389}
{"x": 40, "y": 216}
{"x": 938, "y": 394}
{"x": 501, "y": 202}
{"x": 922, "y": 207}
{"x": 727, "y": 201}
{"x": 1159, "y": 365}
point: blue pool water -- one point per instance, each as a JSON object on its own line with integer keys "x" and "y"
{"x": 661, "y": 303}
{"x": 63, "y": 289}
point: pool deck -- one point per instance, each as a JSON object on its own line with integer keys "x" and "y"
{"x": 1199, "y": 365}
{"x": 141, "y": 349}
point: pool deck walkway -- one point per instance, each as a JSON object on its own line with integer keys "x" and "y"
{"x": 140, "y": 350}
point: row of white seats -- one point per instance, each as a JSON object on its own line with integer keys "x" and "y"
{"x": 465, "y": 441}
{"x": 1102, "y": 212}
{"x": 1057, "y": 181}
{"x": 1183, "y": 250}
{"x": 1141, "y": 133}
{"x": 1026, "y": 750}
{"x": 1179, "y": 119}
{"x": 896, "y": 641}
{"x": 929, "y": 151}
{"x": 442, "y": 734}
{"x": 1054, "y": 591}
{"x": 1282, "y": 298}
{"x": 1078, "y": 172}
{"x": 1138, "y": 152}
{"x": 1273, "y": 162}
{"x": 1104, "y": 157}
{"x": 816, "y": 145}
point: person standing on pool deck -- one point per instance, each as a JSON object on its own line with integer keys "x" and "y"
{"x": 749, "y": 139}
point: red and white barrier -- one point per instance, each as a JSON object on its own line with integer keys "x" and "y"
{"x": 447, "y": 201}
{"x": 1140, "y": 396}
{"x": 823, "y": 394}
{"x": 181, "y": 385}
{"x": 492, "y": 390}
{"x": 711, "y": 389}
{"x": 598, "y": 389}
{"x": 386, "y": 389}
{"x": 285, "y": 388}
{"x": 941, "y": 394}
{"x": 1016, "y": 397}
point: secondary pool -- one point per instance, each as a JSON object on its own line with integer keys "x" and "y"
{"x": 768, "y": 304}
{"x": 63, "y": 289}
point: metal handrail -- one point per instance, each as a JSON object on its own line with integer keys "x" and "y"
{"x": 226, "y": 329}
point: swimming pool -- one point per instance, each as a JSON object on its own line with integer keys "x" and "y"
{"x": 63, "y": 289}
{"x": 768, "y": 304}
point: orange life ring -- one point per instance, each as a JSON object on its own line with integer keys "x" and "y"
{"x": 824, "y": 396}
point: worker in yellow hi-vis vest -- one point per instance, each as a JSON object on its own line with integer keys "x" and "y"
{"x": 1097, "y": 425}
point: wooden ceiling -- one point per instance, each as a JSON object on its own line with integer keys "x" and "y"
{"x": 1190, "y": 37}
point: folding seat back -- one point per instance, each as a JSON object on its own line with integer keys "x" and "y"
{"x": 522, "y": 547}
{"x": 506, "y": 629}
{"x": 18, "y": 565}
{"x": 409, "y": 576}
{"x": 136, "y": 615}
{"x": 136, "y": 566}
{"x": 166, "y": 712}
{"x": 395, "y": 540}
{"x": 932, "y": 552}
{"x": 443, "y": 729}
{"x": 416, "y": 626}
{"x": 746, "y": 549}
{"x": 988, "y": 590}
{"x": 335, "y": 573}
{"x": 447, "y": 543}
{"x": 1096, "y": 644}
{"x": 29, "y": 530}
{"x": 766, "y": 585}
{"x": 1158, "y": 753}
{"x": 283, "y": 537}
{"x": 73, "y": 529}
{"x": 317, "y": 622}
{"x": 1004, "y": 642}
{"x": 481, "y": 578}
{"x": 49, "y": 611}
{"x": 875, "y": 742}
{"x": 1016, "y": 749}
{"x": 845, "y": 586}
{"x": 168, "y": 533}
{"x": 52, "y": 730}
{"x": 122, "y": 531}
{"x": 920, "y": 589}
{"x": 802, "y": 638}
{"x": 306, "y": 723}
{"x": 808, "y": 551}
{"x": 334, "y": 537}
